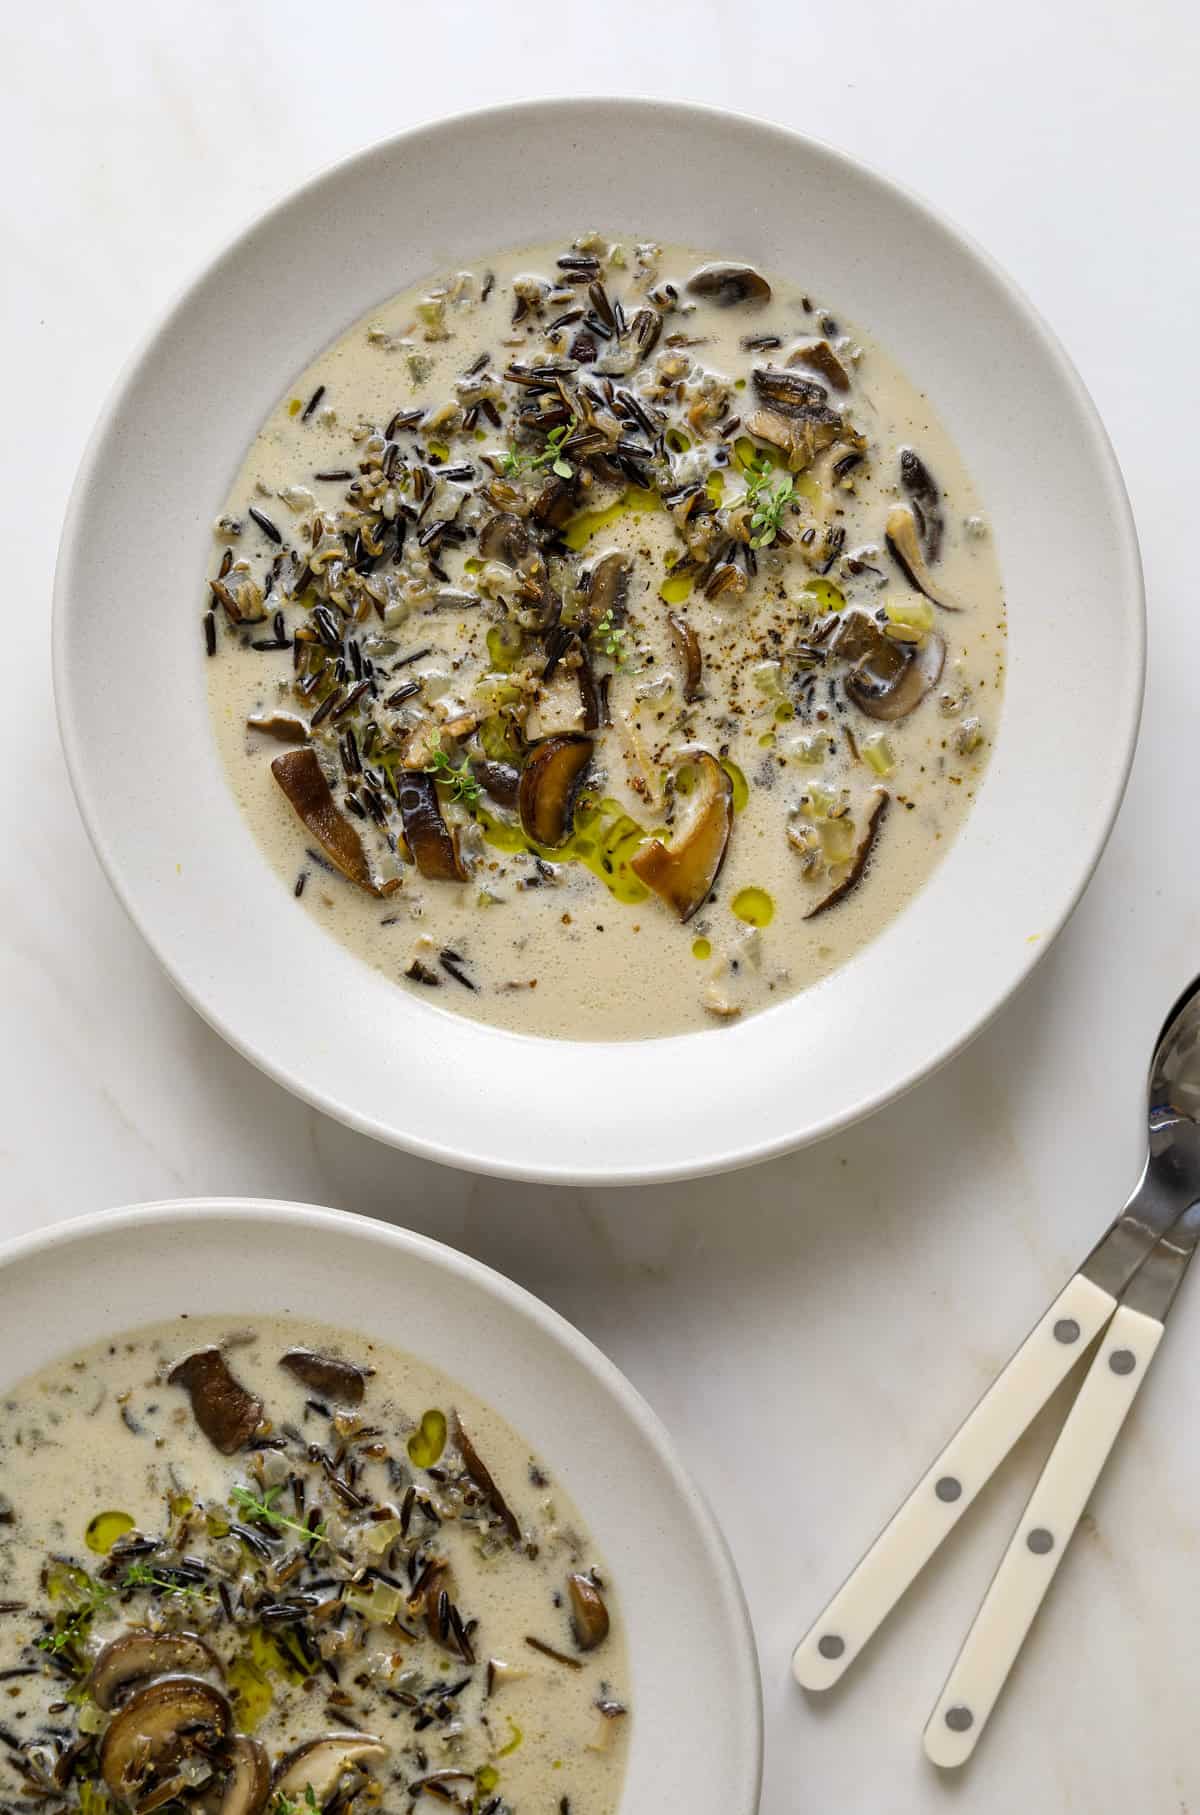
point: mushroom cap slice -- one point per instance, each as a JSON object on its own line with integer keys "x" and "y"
{"x": 727, "y": 284}
{"x": 858, "y": 864}
{"x": 895, "y": 691}
{"x": 302, "y": 779}
{"x": 819, "y": 356}
{"x": 790, "y": 394}
{"x": 328, "y": 1374}
{"x": 136, "y": 1655}
{"x": 609, "y": 585}
{"x": 590, "y": 1615}
{"x": 684, "y": 872}
{"x": 504, "y": 538}
{"x": 226, "y": 1413}
{"x": 249, "y": 1782}
{"x": 320, "y": 1763}
{"x": 500, "y": 780}
{"x": 284, "y": 727}
{"x": 159, "y": 1725}
{"x": 904, "y": 546}
{"x": 687, "y": 645}
{"x": 433, "y": 845}
{"x": 484, "y": 1479}
{"x": 922, "y": 489}
{"x": 549, "y": 783}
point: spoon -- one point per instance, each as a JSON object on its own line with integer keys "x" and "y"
{"x": 1125, "y": 1288}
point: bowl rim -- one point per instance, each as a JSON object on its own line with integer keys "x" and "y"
{"x": 745, "y": 1696}
{"x": 735, "y": 1151}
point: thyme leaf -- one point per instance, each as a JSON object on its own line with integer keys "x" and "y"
{"x": 267, "y": 1513}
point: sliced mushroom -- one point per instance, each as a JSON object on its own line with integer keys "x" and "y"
{"x": 302, "y": 779}
{"x": 889, "y": 679}
{"x": 226, "y": 1413}
{"x": 799, "y": 439}
{"x": 858, "y": 863}
{"x": 728, "y": 285}
{"x": 433, "y": 845}
{"x": 589, "y": 1614}
{"x": 921, "y": 487}
{"x": 320, "y": 1764}
{"x": 905, "y": 549}
{"x": 787, "y": 392}
{"x": 608, "y": 589}
{"x": 482, "y": 1478}
{"x": 556, "y": 502}
{"x": 284, "y": 727}
{"x": 684, "y": 873}
{"x": 328, "y": 1375}
{"x": 549, "y": 784}
{"x": 140, "y": 1654}
{"x": 819, "y": 356}
{"x": 158, "y": 1726}
{"x": 687, "y": 643}
{"x": 500, "y": 780}
{"x": 249, "y": 1782}
{"x": 504, "y": 538}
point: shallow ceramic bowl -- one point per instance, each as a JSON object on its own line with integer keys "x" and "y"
{"x": 128, "y": 650}
{"x": 695, "y": 1740}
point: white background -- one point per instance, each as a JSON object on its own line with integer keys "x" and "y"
{"x": 809, "y": 1330}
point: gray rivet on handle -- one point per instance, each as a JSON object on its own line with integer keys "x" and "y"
{"x": 948, "y": 1488}
{"x": 1066, "y": 1330}
{"x": 959, "y": 1719}
{"x": 830, "y": 1645}
{"x": 1040, "y": 1541}
{"x": 1122, "y": 1361}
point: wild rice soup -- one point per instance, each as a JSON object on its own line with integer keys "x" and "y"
{"x": 271, "y": 1570}
{"x": 604, "y": 637}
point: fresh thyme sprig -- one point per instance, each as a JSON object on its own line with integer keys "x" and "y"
{"x": 609, "y": 637}
{"x": 515, "y": 463}
{"x": 143, "y": 1575}
{"x": 767, "y": 518}
{"x": 283, "y": 1805}
{"x": 457, "y": 777}
{"x": 266, "y": 1512}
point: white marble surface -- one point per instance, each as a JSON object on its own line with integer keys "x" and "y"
{"x": 810, "y": 1329}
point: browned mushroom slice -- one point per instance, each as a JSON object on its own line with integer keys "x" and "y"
{"x": 687, "y": 643}
{"x": 555, "y": 504}
{"x": 249, "y": 1782}
{"x": 433, "y": 845}
{"x": 504, "y": 538}
{"x": 162, "y": 1724}
{"x": 684, "y": 872}
{"x": 905, "y": 549}
{"x": 858, "y": 864}
{"x": 889, "y": 679}
{"x": 921, "y": 487}
{"x": 500, "y": 780}
{"x": 320, "y": 1764}
{"x": 819, "y": 356}
{"x": 727, "y": 285}
{"x": 549, "y": 783}
{"x": 284, "y": 727}
{"x": 589, "y": 1614}
{"x": 787, "y": 392}
{"x": 800, "y": 439}
{"x": 140, "y": 1654}
{"x": 482, "y": 1477}
{"x": 302, "y": 779}
{"x": 608, "y": 588}
{"x": 226, "y": 1413}
{"x": 327, "y": 1374}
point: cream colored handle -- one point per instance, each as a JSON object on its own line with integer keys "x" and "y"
{"x": 1029, "y": 1563}
{"x": 943, "y": 1494}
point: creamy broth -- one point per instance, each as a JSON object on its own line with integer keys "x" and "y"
{"x": 324, "y": 1606}
{"x": 737, "y": 679}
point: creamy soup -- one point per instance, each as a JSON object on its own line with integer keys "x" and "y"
{"x": 272, "y": 1569}
{"x": 605, "y": 641}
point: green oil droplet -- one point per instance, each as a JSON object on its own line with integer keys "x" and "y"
{"x": 741, "y": 791}
{"x": 753, "y": 906}
{"x": 428, "y": 1440}
{"x": 677, "y": 441}
{"x": 604, "y": 838}
{"x": 104, "y": 1530}
{"x": 295, "y": 405}
{"x": 784, "y": 711}
{"x": 702, "y": 949}
{"x": 828, "y": 597}
{"x": 589, "y": 523}
{"x": 486, "y": 1779}
{"x": 714, "y": 485}
{"x": 674, "y": 592}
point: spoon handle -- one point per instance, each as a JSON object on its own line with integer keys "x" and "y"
{"x": 944, "y": 1492}
{"x": 1042, "y": 1535}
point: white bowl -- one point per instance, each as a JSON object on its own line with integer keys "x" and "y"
{"x": 169, "y": 833}
{"x": 696, "y": 1733}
